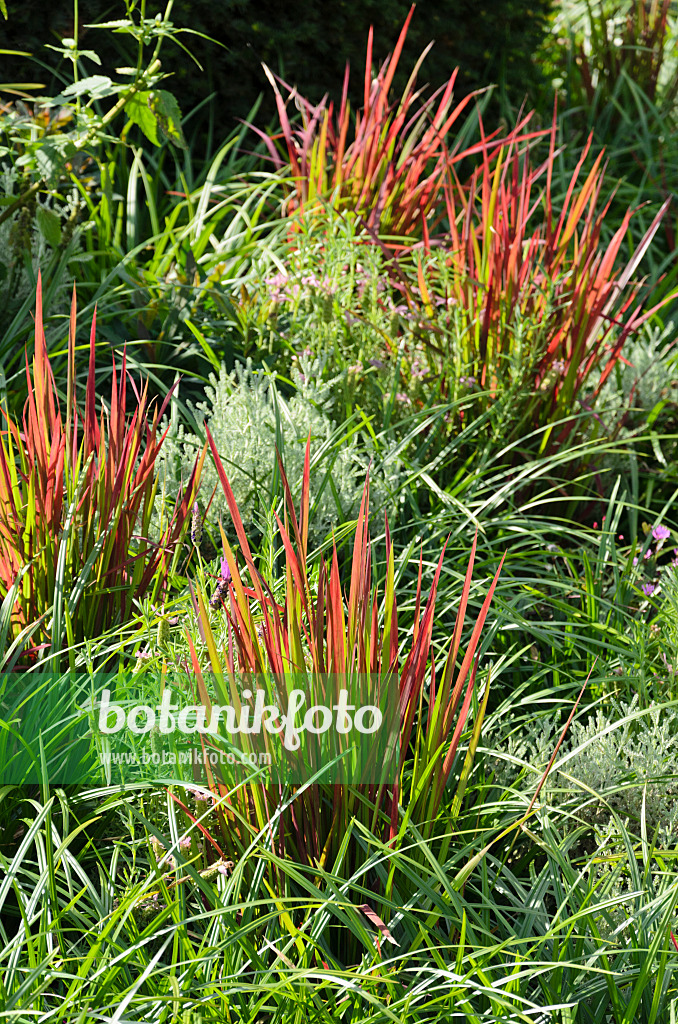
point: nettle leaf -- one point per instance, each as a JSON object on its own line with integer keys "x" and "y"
{"x": 158, "y": 115}
{"x": 139, "y": 112}
{"x": 91, "y": 54}
{"x": 49, "y": 226}
{"x": 168, "y": 115}
{"x": 50, "y": 157}
{"x": 97, "y": 86}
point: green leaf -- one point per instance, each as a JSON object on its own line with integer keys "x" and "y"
{"x": 120, "y": 23}
{"x": 158, "y": 115}
{"x": 97, "y": 86}
{"x": 139, "y": 112}
{"x": 168, "y": 116}
{"x": 50, "y": 157}
{"x": 3, "y": 8}
{"x": 49, "y": 226}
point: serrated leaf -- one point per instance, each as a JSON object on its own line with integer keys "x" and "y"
{"x": 91, "y": 54}
{"x": 168, "y": 116}
{"x": 51, "y": 156}
{"x": 49, "y": 226}
{"x": 97, "y": 86}
{"x": 139, "y": 112}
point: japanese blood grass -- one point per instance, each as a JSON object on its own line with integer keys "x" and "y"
{"x": 610, "y": 41}
{"x": 535, "y": 300}
{"x": 315, "y": 634}
{"x": 72, "y": 490}
{"x": 618, "y": 80}
{"x": 392, "y": 170}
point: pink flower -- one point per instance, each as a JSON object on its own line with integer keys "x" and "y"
{"x": 648, "y": 589}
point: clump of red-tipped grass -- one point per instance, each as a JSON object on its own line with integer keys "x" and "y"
{"x": 536, "y": 304}
{"x": 389, "y": 168}
{"x": 319, "y": 630}
{"x": 76, "y": 497}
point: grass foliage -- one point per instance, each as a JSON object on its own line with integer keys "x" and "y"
{"x": 403, "y": 403}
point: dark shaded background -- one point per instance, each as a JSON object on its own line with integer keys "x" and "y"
{"x": 492, "y": 41}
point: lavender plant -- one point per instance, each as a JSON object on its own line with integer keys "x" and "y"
{"x": 642, "y": 392}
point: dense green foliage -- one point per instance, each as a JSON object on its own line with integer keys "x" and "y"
{"x": 475, "y": 310}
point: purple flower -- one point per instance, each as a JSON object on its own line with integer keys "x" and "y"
{"x": 648, "y": 589}
{"x": 225, "y": 571}
{"x": 218, "y": 598}
{"x": 661, "y": 533}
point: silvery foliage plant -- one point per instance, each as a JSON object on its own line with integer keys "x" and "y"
{"x": 620, "y": 760}
{"x": 642, "y": 384}
{"x": 248, "y": 417}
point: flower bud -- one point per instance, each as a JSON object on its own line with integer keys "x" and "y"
{"x": 196, "y": 525}
{"x": 219, "y": 595}
{"x": 156, "y": 742}
{"x": 327, "y": 308}
{"x": 163, "y": 630}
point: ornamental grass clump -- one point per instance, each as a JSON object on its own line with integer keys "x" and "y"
{"x": 76, "y": 497}
{"x": 314, "y": 631}
{"x": 535, "y": 302}
{"x": 390, "y": 166}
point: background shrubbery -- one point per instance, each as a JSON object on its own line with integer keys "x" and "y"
{"x": 490, "y": 41}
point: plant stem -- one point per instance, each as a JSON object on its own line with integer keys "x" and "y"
{"x": 106, "y": 120}
{"x": 18, "y": 203}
